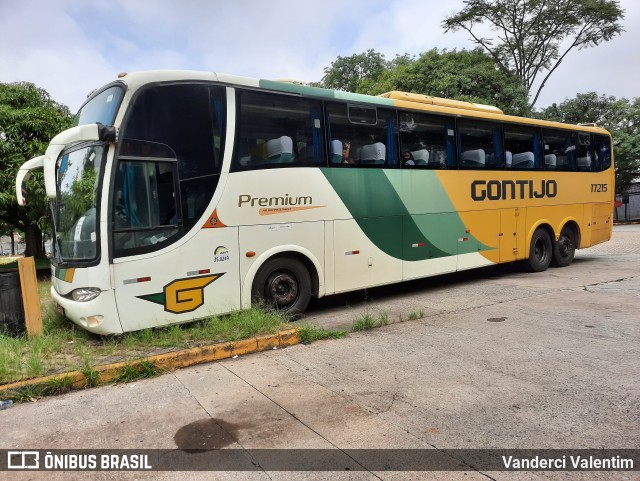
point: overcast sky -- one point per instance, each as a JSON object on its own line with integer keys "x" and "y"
{"x": 70, "y": 47}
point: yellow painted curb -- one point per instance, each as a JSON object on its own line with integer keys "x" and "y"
{"x": 168, "y": 361}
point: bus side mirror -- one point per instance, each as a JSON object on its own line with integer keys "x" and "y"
{"x": 23, "y": 175}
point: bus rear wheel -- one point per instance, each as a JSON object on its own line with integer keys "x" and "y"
{"x": 284, "y": 284}
{"x": 565, "y": 248}
{"x": 540, "y": 253}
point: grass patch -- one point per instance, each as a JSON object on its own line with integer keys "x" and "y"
{"x": 310, "y": 333}
{"x": 416, "y": 315}
{"x": 134, "y": 371}
{"x": 368, "y": 321}
{"x": 65, "y": 347}
{"x": 57, "y": 386}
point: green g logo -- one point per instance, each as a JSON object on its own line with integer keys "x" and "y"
{"x": 182, "y": 295}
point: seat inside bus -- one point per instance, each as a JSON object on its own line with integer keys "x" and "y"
{"x": 280, "y": 150}
{"x": 420, "y": 157}
{"x": 523, "y": 160}
{"x": 372, "y": 154}
{"x": 336, "y": 152}
{"x": 550, "y": 161}
{"x": 474, "y": 158}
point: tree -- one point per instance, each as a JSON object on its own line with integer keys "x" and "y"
{"x": 460, "y": 75}
{"x": 29, "y": 118}
{"x": 534, "y": 36}
{"x": 468, "y": 75}
{"x": 346, "y": 73}
{"x": 620, "y": 116}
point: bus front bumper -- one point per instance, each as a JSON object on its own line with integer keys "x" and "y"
{"x": 99, "y": 315}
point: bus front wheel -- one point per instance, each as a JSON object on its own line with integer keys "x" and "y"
{"x": 540, "y": 253}
{"x": 565, "y": 248}
{"x": 284, "y": 284}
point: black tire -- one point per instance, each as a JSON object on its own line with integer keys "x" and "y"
{"x": 284, "y": 284}
{"x": 541, "y": 251}
{"x": 565, "y": 248}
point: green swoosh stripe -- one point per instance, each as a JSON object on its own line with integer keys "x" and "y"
{"x": 394, "y": 217}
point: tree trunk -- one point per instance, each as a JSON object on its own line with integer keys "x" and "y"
{"x": 13, "y": 243}
{"x": 33, "y": 239}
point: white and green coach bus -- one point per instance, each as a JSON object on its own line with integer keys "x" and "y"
{"x": 180, "y": 195}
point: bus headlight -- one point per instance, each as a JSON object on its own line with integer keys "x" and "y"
{"x": 85, "y": 294}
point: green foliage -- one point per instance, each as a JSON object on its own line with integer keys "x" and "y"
{"x": 532, "y": 37}
{"x": 620, "y": 116}
{"x": 468, "y": 75}
{"x": 29, "y": 119}
{"x": 461, "y": 75}
{"x": 347, "y": 73}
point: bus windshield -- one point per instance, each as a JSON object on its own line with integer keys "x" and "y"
{"x": 74, "y": 211}
{"x": 102, "y": 108}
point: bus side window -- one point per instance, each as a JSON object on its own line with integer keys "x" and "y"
{"x": 424, "y": 141}
{"x": 184, "y": 122}
{"x": 480, "y": 144}
{"x": 365, "y": 136}
{"x": 559, "y": 149}
{"x": 277, "y": 130}
{"x": 601, "y": 152}
{"x": 522, "y": 147}
{"x": 145, "y": 210}
{"x": 584, "y": 154}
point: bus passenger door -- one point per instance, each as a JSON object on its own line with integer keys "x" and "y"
{"x": 512, "y": 238}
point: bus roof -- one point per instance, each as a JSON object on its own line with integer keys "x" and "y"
{"x": 395, "y": 99}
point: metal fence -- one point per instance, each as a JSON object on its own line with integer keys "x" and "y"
{"x": 627, "y": 207}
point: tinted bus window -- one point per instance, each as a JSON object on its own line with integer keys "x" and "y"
{"x": 601, "y": 152}
{"x": 426, "y": 141}
{"x": 182, "y": 121}
{"x": 521, "y": 147}
{"x": 584, "y": 152}
{"x": 278, "y": 131}
{"x": 361, "y": 137}
{"x": 559, "y": 150}
{"x": 187, "y": 118}
{"x": 480, "y": 145}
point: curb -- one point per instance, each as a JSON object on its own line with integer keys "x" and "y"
{"x": 165, "y": 362}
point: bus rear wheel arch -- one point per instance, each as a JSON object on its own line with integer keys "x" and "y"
{"x": 540, "y": 250}
{"x": 564, "y": 249}
{"x": 283, "y": 283}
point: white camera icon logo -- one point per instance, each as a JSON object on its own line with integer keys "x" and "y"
{"x": 23, "y": 460}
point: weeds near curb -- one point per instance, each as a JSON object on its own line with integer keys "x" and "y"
{"x": 309, "y": 333}
{"x": 57, "y": 386}
{"x": 63, "y": 347}
{"x": 367, "y": 321}
{"x": 139, "y": 370}
{"x": 92, "y": 377}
